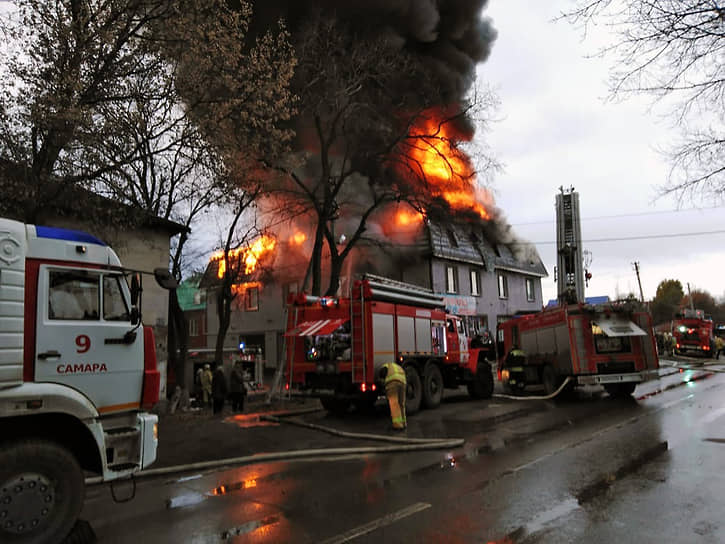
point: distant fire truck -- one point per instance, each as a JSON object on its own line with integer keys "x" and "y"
{"x": 337, "y": 346}
{"x": 77, "y": 372}
{"x": 612, "y": 344}
{"x": 694, "y": 333}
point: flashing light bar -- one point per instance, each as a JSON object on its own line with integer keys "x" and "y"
{"x": 57, "y": 233}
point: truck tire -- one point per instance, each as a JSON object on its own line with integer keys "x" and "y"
{"x": 432, "y": 385}
{"x": 620, "y": 390}
{"x": 41, "y": 491}
{"x": 335, "y": 405}
{"x": 482, "y": 385}
{"x": 413, "y": 390}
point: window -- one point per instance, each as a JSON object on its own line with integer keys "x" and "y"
{"x": 530, "y": 293}
{"x": 475, "y": 283}
{"x": 114, "y": 305}
{"x": 73, "y": 294}
{"x": 503, "y": 286}
{"x": 451, "y": 279}
{"x": 252, "y": 299}
{"x": 452, "y": 238}
{"x": 193, "y": 327}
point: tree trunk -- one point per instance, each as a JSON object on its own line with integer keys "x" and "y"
{"x": 178, "y": 342}
{"x": 224, "y": 304}
{"x": 336, "y": 262}
{"x": 316, "y": 260}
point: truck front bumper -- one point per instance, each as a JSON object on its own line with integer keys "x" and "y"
{"x": 630, "y": 377}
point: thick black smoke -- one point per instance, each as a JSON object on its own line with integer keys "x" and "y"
{"x": 450, "y": 35}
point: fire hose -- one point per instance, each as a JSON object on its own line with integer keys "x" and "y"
{"x": 537, "y": 397}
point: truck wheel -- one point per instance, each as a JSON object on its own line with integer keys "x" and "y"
{"x": 413, "y": 390}
{"x": 41, "y": 492}
{"x": 335, "y": 405}
{"x": 482, "y": 385}
{"x": 548, "y": 378}
{"x": 432, "y": 385}
{"x": 620, "y": 390}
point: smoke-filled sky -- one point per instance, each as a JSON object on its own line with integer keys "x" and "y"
{"x": 556, "y": 130}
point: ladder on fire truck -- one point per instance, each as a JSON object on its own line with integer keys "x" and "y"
{"x": 276, "y": 388}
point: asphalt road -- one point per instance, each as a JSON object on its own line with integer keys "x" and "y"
{"x": 588, "y": 469}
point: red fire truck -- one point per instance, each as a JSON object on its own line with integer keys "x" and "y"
{"x": 612, "y": 345}
{"x": 336, "y": 346}
{"x": 694, "y": 333}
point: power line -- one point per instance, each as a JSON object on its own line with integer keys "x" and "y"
{"x": 647, "y": 237}
{"x": 619, "y": 216}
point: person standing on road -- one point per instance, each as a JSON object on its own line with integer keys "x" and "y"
{"x": 219, "y": 389}
{"x": 237, "y": 390}
{"x": 206, "y": 379}
{"x": 395, "y": 386}
{"x": 719, "y": 347}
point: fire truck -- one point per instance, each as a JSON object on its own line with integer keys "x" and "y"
{"x": 694, "y": 333}
{"x": 77, "y": 371}
{"x": 335, "y": 347}
{"x": 612, "y": 345}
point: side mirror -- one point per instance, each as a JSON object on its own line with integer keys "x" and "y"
{"x": 135, "y": 289}
{"x": 165, "y": 279}
{"x": 135, "y": 316}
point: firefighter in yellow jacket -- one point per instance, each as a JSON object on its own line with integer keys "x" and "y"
{"x": 395, "y": 386}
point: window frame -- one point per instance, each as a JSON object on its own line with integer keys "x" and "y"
{"x": 530, "y": 294}
{"x": 475, "y": 278}
{"x": 452, "y": 274}
{"x": 248, "y": 306}
{"x": 503, "y": 288}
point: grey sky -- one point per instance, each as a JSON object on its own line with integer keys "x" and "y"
{"x": 557, "y": 129}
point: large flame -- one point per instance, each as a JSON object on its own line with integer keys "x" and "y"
{"x": 249, "y": 255}
{"x": 447, "y": 170}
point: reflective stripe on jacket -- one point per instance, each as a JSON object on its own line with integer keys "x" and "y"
{"x": 395, "y": 373}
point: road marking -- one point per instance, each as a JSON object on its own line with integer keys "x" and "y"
{"x": 376, "y": 524}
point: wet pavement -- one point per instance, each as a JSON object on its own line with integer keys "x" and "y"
{"x": 525, "y": 467}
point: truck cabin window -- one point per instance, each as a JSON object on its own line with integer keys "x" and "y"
{"x": 114, "y": 304}
{"x": 610, "y": 344}
{"x": 73, "y": 295}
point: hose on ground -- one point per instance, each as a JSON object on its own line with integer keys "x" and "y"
{"x": 402, "y": 445}
{"x": 537, "y": 397}
{"x": 439, "y": 442}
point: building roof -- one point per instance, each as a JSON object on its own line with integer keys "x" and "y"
{"x": 470, "y": 244}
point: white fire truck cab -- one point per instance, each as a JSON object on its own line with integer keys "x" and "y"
{"x": 77, "y": 371}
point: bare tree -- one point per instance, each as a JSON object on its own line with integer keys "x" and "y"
{"x": 673, "y": 49}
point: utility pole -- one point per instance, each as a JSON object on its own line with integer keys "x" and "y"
{"x": 689, "y": 295}
{"x": 636, "y": 269}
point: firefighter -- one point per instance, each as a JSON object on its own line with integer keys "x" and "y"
{"x": 395, "y": 386}
{"x": 719, "y": 347}
{"x": 206, "y": 378}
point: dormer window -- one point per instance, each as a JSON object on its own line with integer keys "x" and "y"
{"x": 452, "y": 238}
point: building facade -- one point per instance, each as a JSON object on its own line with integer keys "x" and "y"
{"x": 483, "y": 282}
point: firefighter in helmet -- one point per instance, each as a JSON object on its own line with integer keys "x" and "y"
{"x": 395, "y": 386}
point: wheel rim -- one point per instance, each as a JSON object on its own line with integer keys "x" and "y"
{"x": 26, "y": 502}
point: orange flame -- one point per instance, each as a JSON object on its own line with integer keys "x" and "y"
{"x": 249, "y": 255}
{"x": 298, "y": 238}
{"x": 406, "y": 218}
{"x": 446, "y": 169}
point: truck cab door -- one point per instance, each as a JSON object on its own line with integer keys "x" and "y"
{"x": 84, "y": 336}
